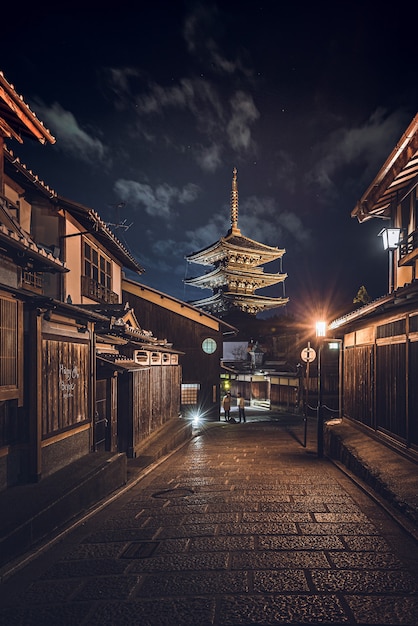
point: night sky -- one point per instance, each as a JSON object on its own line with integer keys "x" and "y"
{"x": 153, "y": 105}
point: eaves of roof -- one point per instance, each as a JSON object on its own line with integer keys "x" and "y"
{"x": 407, "y": 295}
{"x": 396, "y": 178}
{"x": 25, "y": 251}
{"x": 92, "y": 222}
{"x": 87, "y": 217}
{"x": 19, "y": 117}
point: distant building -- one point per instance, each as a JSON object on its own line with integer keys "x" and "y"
{"x": 237, "y": 273}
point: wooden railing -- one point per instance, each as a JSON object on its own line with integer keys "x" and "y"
{"x": 408, "y": 244}
{"x": 94, "y": 290}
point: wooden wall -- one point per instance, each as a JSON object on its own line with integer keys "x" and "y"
{"x": 380, "y": 381}
{"x": 147, "y": 399}
{"x": 65, "y": 376}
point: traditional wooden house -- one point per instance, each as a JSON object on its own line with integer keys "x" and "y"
{"x": 198, "y": 335}
{"x": 236, "y": 274}
{"x": 380, "y": 339}
{"x": 138, "y": 381}
{"x": 44, "y": 362}
{"x": 59, "y": 266}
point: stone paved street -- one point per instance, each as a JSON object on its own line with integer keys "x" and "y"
{"x": 243, "y": 525}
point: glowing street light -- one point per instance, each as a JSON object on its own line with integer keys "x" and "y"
{"x": 321, "y": 329}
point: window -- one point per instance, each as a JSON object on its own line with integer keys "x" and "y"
{"x": 97, "y": 266}
{"x": 209, "y": 345}
{"x": 11, "y": 341}
{"x": 189, "y": 393}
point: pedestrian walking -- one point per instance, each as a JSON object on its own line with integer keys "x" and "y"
{"x": 226, "y": 403}
{"x": 241, "y": 408}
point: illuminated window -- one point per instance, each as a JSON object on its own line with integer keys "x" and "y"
{"x": 209, "y": 345}
{"x": 189, "y": 393}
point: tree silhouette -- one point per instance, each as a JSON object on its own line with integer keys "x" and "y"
{"x": 362, "y": 296}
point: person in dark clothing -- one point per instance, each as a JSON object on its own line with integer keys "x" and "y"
{"x": 226, "y": 403}
{"x": 241, "y": 408}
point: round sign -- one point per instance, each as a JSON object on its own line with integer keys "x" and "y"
{"x": 308, "y": 355}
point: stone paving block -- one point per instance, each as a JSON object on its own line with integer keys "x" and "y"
{"x": 299, "y": 542}
{"x": 348, "y": 528}
{"x": 95, "y": 551}
{"x": 342, "y": 507}
{"x": 107, "y": 587}
{"x": 319, "y": 499}
{"x": 212, "y": 518}
{"x": 155, "y": 520}
{"x": 279, "y": 560}
{"x": 363, "y": 581}
{"x": 268, "y": 517}
{"x": 384, "y": 610}
{"x": 279, "y": 581}
{"x": 189, "y": 530}
{"x": 340, "y": 517}
{"x": 181, "y": 562}
{"x": 184, "y": 508}
{"x": 257, "y": 528}
{"x": 260, "y": 498}
{"x": 362, "y": 560}
{"x": 363, "y": 543}
{"x": 85, "y": 568}
{"x": 191, "y": 583}
{"x": 236, "y": 506}
{"x": 121, "y": 535}
{"x": 50, "y": 591}
{"x": 281, "y": 609}
{"x": 221, "y": 543}
{"x": 165, "y": 612}
{"x": 296, "y": 507}
{"x": 170, "y": 546}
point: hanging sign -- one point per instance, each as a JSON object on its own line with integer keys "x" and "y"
{"x": 308, "y": 355}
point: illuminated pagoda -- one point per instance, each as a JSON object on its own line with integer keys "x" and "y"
{"x": 236, "y": 272}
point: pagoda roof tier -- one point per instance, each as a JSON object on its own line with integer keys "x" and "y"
{"x": 228, "y": 276}
{"x": 222, "y": 302}
{"x": 236, "y": 245}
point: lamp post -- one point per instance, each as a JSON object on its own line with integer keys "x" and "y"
{"x": 390, "y": 238}
{"x": 321, "y": 328}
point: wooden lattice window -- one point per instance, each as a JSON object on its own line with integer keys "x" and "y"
{"x": 189, "y": 393}
{"x": 10, "y": 340}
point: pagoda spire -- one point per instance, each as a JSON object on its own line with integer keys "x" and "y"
{"x": 234, "y": 202}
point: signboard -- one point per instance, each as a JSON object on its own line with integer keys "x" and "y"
{"x": 308, "y": 355}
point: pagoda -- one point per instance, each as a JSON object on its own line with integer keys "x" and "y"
{"x": 237, "y": 271}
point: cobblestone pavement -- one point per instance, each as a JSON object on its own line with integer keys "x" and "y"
{"x": 243, "y": 525}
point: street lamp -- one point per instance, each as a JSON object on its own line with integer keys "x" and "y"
{"x": 390, "y": 238}
{"x": 321, "y": 331}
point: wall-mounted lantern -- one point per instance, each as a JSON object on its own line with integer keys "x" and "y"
{"x": 391, "y": 239}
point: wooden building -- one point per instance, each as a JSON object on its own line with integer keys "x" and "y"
{"x": 198, "y": 335}
{"x": 138, "y": 380}
{"x": 58, "y": 262}
{"x": 380, "y": 354}
{"x": 44, "y": 362}
{"x": 237, "y": 273}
